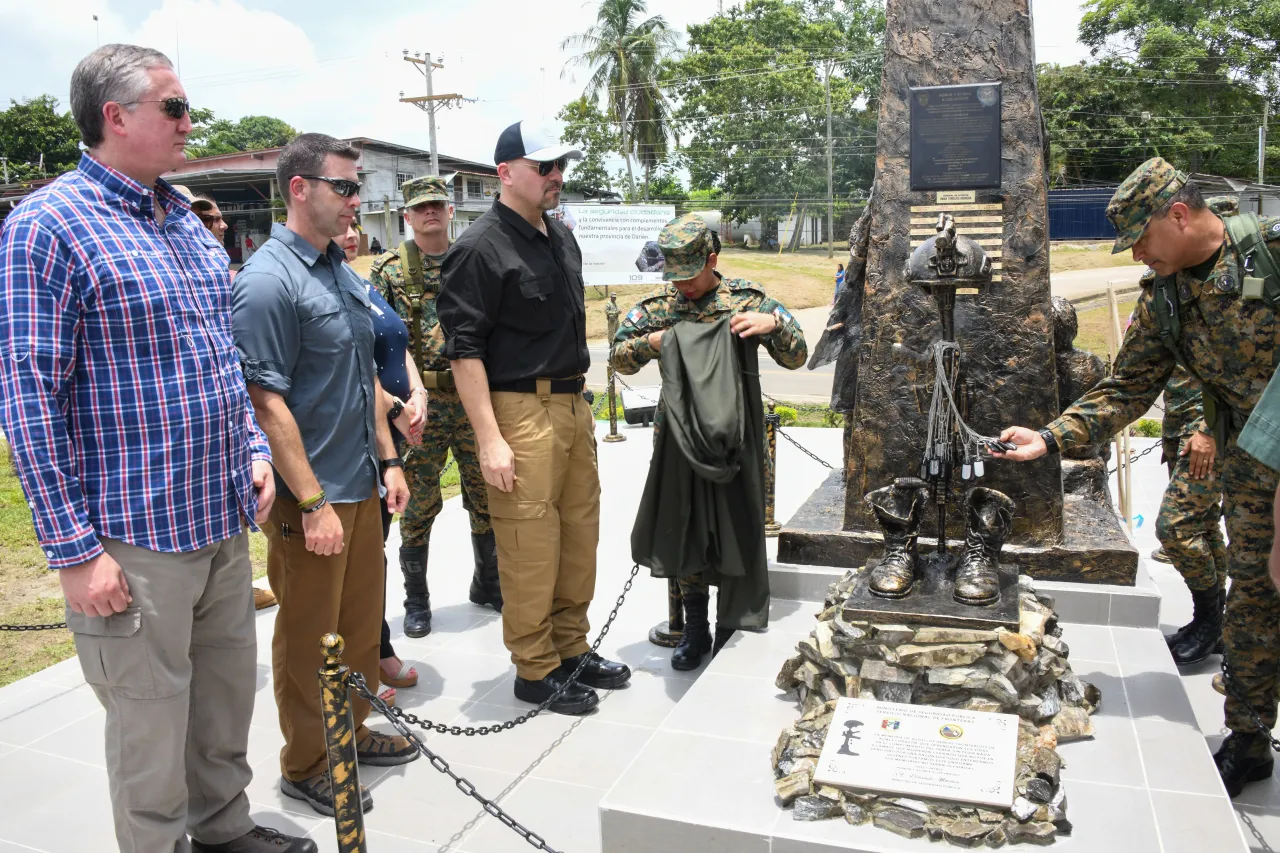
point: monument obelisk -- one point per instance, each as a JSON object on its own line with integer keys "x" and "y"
{"x": 960, "y": 133}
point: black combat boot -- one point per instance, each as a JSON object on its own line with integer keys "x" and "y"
{"x": 417, "y": 600}
{"x": 696, "y": 640}
{"x": 485, "y": 588}
{"x": 1243, "y": 759}
{"x": 1202, "y": 636}
{"x": 897, "y": 508}
{"x": 988, "y": 520}
{"x": 723, "y": 635}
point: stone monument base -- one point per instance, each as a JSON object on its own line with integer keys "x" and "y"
{"x": 1095, "y": 549}
{"x": 931, "y": 601}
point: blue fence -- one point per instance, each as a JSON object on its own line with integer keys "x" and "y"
{"x": 1080, "y": 214}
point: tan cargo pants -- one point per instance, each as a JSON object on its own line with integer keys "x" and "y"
{"x": 342, "y": 592}
{"x": 547, "y": 527}
{"x": 176, "y": 673}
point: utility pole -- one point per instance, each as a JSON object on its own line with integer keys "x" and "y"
{"x": 1262, "y": 147}
{"x": 432, "y": 102}
{"x": 831, "y": 206}
{"x": 4, "y": 161}
{"x": 386, "y": 223}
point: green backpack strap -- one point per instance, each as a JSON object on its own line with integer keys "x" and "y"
{"x": 1261, "y": 279}
{"x": 1169, "y": 321}
{"x": 416, "y": 285}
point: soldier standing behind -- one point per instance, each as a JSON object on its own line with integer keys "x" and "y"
{"x": 1188, "y": 525}
{"x": 697, "y": 293}
{"x": 409, "y": 279}
{"x": 1212, "y": 310}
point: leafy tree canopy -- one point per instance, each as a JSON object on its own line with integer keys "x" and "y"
{"x": 587, "y": 128}
{"x": 32, "y": 128}
{"x": 212, "y": 135}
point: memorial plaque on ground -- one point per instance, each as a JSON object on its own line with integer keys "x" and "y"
{"x": 955, "y": 137}
{"x": 921, "y": 751}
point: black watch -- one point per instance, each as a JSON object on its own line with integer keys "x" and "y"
{"x": 393, "y": 462}
{"x": 397, "y": 409}
{"x": 1050, "y": 443}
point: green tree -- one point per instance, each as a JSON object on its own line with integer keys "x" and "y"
{"x": 624, "y": 56}
{"x": 33, "y": 131}
{"x": 212, "y": 135}
{"x": 587, "y": 128}
{"x": 752, "y": 111}
{"x": 1184, "y": 80}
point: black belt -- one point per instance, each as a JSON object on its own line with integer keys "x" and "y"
{"x": 530, "y": 386}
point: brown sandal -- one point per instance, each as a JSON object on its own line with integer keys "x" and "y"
{"x": 381, "y": 750}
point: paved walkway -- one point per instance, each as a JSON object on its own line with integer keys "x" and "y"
{"x": 551, "y": 773}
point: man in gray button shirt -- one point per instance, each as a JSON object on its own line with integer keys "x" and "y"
{"x": 303, "y": 328}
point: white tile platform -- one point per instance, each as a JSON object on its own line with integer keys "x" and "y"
{"x": 555, "y": 773}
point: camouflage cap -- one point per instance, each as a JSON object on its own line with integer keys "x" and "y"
{"x": 1224, "y": 205}
{"x": 424, "y": 189}
{"x": 685, "y": 243}
{"x": 1143, "y": 193}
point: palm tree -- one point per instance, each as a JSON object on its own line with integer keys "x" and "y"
{"x": 624, "y": 54}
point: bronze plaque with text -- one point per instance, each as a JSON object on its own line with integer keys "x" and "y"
{"x": 955, "y": 137}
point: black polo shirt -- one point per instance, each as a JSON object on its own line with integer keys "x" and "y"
{"x": 513, "y": 297}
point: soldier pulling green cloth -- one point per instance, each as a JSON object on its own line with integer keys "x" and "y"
{"x": 701, "y": 517}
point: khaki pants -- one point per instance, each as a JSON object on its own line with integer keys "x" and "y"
{"x": 342, "y": 592}
{"x": 176, "y": 674}
{"x": 546, "y": 528}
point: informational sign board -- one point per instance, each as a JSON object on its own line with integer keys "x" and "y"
{"x": 921, "y": 751}
{"x": 618, "y": 241}
{"x": 955, "y": 137}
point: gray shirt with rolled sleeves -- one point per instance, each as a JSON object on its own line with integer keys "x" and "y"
{"x": 303, "y": 328}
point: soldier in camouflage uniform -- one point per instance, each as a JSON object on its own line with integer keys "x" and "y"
{"x": 1228, "y": 339}
{"x": 699, "y": 294}
{"x": 409, "y": 279}
{"x": 1188, "y": 524}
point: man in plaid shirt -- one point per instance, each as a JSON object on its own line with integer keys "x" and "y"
{"x": 136, "y": 444}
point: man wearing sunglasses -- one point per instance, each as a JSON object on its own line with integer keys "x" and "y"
{"x": 304, "y": 330}
{"x": 514, "y": 320}
{"x": 137, "y": 447}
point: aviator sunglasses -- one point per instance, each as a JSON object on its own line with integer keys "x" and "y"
{"x": 544, "y": 169}
{"x": 341, "y": 186}
{"x": 174, "y": 108}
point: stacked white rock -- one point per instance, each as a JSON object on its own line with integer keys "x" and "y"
{"x": 1026, "y": 672}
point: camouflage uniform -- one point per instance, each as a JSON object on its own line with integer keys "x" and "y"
{"x": 685, "y": 243}
{"x": 1228, "y": 341}
{"x": 447, "y": 427}
{"x": 1188, "y": 524}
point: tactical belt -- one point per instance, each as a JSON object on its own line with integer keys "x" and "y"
{"x": 530, "y": 386}
{"x": 438, "y": 380}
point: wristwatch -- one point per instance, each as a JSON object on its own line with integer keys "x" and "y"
{"x": 393, "y": 462}
{"x": 1050, "y": 443}
{"x": 397, "y": 409}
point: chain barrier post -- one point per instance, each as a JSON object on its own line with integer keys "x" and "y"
{"x": 611, "y": 312}
{"x": 669, "y": 634}
{"x": 340, "y": 747}
{"x": 771, "y": 421}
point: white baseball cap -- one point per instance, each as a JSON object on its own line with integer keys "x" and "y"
{"x": 539, "y": 144}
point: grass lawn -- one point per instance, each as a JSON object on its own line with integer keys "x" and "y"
{"x": 1095, "y": 324}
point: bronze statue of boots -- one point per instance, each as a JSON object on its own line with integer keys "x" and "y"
{"x": 898, "y": 508}
{"x": 989, "y": 518}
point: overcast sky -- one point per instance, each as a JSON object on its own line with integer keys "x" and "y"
{"x": 337, "y": 67}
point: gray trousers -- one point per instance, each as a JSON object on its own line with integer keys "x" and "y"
{"x": 176, "y": 673}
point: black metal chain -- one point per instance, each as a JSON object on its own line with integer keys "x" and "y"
{"x": 1134, "y": 457}
{"x": 1228, "y": 681}
{"x": 49, "y": 627}
{"x": 806, "y": 451}
{"x": 358, "y": 684}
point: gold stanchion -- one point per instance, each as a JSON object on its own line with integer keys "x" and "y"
{"x": 771, "y": 421}
{"x": 611, "y": 312}
{"x": 668, "y": 634}
{"x": 340, "y": 747}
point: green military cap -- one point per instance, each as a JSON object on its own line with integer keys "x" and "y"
{"x": 685, "y": 243}
{"x": 1223, "y": 205}
{"x": 1143, "y": 193}
{"x": 422, "y": 190}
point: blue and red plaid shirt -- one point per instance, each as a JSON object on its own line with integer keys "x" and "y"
{"x": 120, "y": 386}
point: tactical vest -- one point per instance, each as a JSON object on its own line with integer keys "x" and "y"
{"x": 415, "y": 286}
{"x": 1259, "y": 278}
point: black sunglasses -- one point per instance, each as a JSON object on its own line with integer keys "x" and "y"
{"x": 341, "y": 186}
{"x": 544, "y": 168}
{"x": 174, "y": 108}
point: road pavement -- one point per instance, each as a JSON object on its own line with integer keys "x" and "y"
{"x": 814, "y": 386}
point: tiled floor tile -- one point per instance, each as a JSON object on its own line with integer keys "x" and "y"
{"x": 514, "y": 751}
{"x": 563, "y": 814}
{"x": 417, "y": 802}
{"x": 1092, "y": 643}
{"x": 1176, "y": 758}
{"x": 1111, "y": 756}
{"x": 1193, "y": 824}
{"x": 1157, "y": 695}
{"x": 79, "y": 741}
{"x": 626, "y": 832}
{"x": 595, "y": 755}
{"x": 378, "y": 842}
{"x": 1106, "y": 677}
{"x": 45, "y": 709}
{"x": 709, "y": 709}
{"x": 758, "y": 649}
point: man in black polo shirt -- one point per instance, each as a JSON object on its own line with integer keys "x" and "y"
{"x": 514, "y": 320}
